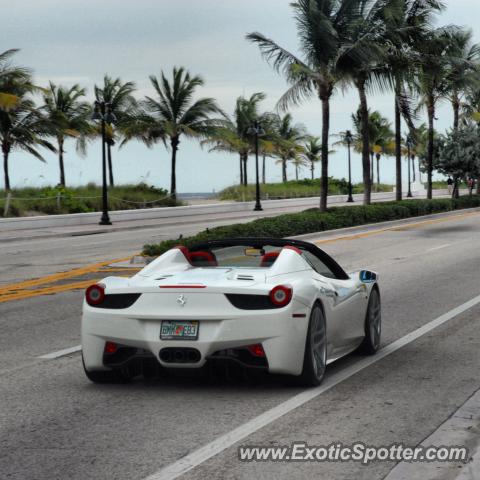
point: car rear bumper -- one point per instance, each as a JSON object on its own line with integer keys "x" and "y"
{"x": 281, "y": 335}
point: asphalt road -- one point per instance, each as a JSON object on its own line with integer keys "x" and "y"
{"x": 54, "y": 424}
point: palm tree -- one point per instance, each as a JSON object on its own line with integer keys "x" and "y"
{"x": 68, "y": 116}
{"x": 122, "y": 104}
{"x": 382, "y": 140}
{"x": 298, "y": 162}
{"x": 470, "y": 108}
{"x": 324, "y": 29}
{"x": 231, "y": 136}
{"x": 23, "y": 127}
{"x": 312, "y": 151}
{"x": 404, "y": 34}
{"x": 464, "y": 70}
{"x": 366, "y": 70}
{"x": 269, "y": 140}
{"x": 431, "y": 83}
{"x": 288, "y": 141}
{"x": 15, "y": 81}
{"x": 173, "y": 113}
{"x": 420, "y": 146}
{"x": 380, "y": 136}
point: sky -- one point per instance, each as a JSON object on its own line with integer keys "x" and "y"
{"x": 78, "y": 42}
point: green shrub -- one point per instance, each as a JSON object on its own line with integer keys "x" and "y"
{"x": 312, "y": 221}
{"x": 58, "y": 200}
{"x": 294, "y": 189}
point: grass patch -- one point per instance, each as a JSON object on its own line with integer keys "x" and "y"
{"x": 442, "y": 185}
{"x": 312, "y": 221}
{"x": 58, "y": 200}
{"x": 294, "y": 189}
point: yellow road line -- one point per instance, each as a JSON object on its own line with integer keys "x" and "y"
{"x": 122, "y": 269}
{"x": 8, "y": 297}
{"x": 398, "y": 228}
{"x": 77, "y": 272}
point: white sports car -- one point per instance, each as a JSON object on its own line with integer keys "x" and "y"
{"x": 280, "y": 305}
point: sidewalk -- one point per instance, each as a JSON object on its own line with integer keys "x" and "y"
{"x": 461, "y": 429}
{"x": 31, "y": 228}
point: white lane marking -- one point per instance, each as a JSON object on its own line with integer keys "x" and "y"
{"x": 220, "y": 444}
{"x": 438, "y": 248}
{"x": 61, "y": 353}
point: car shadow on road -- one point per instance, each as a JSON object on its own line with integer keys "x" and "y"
{"x": 225, "y": 378}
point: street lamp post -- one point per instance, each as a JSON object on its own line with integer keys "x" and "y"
{"x": 409, "y": 149}
{"x": 103, "y": 113}
{"x": 257, "y": 130}
{"x": 349, "y": 140}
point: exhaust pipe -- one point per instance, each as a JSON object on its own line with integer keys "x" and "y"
{"x": 179, "y": 355}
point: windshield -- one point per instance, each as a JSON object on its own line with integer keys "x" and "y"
{"x": 238, "y": 256}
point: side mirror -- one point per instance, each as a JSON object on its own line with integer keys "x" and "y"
{"x": 368, "y": 277}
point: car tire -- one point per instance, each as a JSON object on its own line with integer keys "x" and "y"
{"x": 373, "y": 325}
{"x": 315, "y": 357}
{"x": 105, "y": 376}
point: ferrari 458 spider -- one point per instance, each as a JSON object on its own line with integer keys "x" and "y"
{"x": 281, "y": 305}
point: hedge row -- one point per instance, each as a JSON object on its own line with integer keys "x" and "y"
{"x": 312, "y": 221}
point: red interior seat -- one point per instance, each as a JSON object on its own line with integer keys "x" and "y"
{"x": 202, "y": 259}
{"x": 269, "y": 259}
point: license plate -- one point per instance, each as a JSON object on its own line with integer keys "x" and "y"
{"x": 184, "y": 330}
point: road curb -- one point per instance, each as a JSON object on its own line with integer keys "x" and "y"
{"x": 461, "y": 429}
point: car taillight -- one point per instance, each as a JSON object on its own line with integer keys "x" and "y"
{"x": 281, "y": 295}
{"x": 95, "y": 294}
{"x": 110, "y": 347}
{"x": 256, "y": 350}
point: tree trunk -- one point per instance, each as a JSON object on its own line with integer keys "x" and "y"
{"x": 413, "y": 169}
{"x": 325, "y": 97}
{"x": 312, "y": 168}
{"x": 372, "y": 156}
{"x": 241, "y": 169}
{"x": 60, "y": 161}
{"x": 367, "y": 195}
{"x": 110, "y": 167}
{"x": 431, "y": 118}
{"x": 6, "y": 151}
{"x": 284, "y": 170}
{"x": 456, "y": 110}
{"x": 398, "y": 145}
{"x": 455, "y": 192}
{"x": 173, "y": 185}
{"x": 296, "y": 172}
{"x": 263, "y": 170}
{"x": 378, "y": 169}
{"x": 245, "y": 175}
